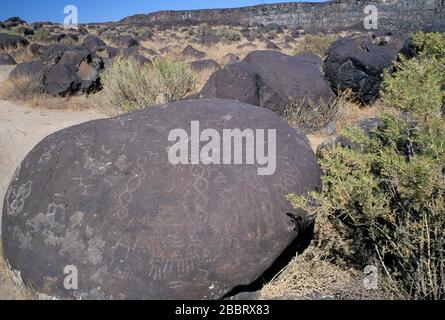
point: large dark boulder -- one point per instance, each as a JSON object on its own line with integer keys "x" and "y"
{"x": 270, "y": 79}
{"x": 357, "y": 63}
{"x": 112, "y": 52}
{"x": 12, "y": 41}
{"x": 125, "y": 41}
{"x": 28, "y": 69}
{"x": 103, "y": 197}
{"x": 208, "y": 39}
{"x": 6, "y": 59}
{"x": 65, "y": 70}
{"x": 191, "y": 53}
{"x": 94, "y": 43}
{"x": 286, "y": 79}
{"x": 235, "y": 81}
{"x": 37, "y": 49}
{"x": 61, "y": 80}
{"x": 310, "y": 58}
{"x": 55, "y": 52}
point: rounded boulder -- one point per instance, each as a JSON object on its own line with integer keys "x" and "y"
{"x": 102, "y": 199}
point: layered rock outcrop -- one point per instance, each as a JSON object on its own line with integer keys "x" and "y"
{"x": 405, "y": 15}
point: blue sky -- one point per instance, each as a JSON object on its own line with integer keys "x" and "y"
{"x": 109, "y": 10}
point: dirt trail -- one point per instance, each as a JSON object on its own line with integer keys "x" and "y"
{"x": 21, "y": 128}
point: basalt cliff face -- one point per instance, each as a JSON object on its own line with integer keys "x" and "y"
{"x": 408, "y": 15}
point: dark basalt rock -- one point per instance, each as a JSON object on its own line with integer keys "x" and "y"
{"x": 357, "y": 63}
{"x": 285, "y": 78}
{"x": 61, "y": 79}
{"x": 103, "y": 197}
{"x": 310, "y": 58}
{"x": 6, "y": 59}
{"x": 94, "y": 43}
{"x": 235, "y": 81}
{"x": 12, "y": 41}
{"x": 270, "y": 79}
{"x": 125, "y": 41}
{"x": 209, "y": 39}
{"x": 64, "y": 70}
{"x": 27, "y": 69}
{"x": 37, "y": 49}
{"x": 143, "y": 61}
{"x": 112, "y": 52}
{"x": 192, "y": 53}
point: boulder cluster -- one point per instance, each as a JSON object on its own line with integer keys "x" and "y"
{"x": 105, "y": 197}
{"x": 270, "y": 79}
{"x": 358, "y": 63}
{"x": 63, "y": 70}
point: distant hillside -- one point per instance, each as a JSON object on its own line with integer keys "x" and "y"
{"x": 337, "y": 14}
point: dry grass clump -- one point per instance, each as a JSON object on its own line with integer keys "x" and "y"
{"x": 351, "y": 111}
{"x": 316, "y": 44}
{"x": 22, "y": 88}
{"x": 311, "y": 115}
{"x": 128, "y": 86}
{"x": 20, "y": 53}
{"x": 29, "y": 90}
{"x": 324, "y": 271}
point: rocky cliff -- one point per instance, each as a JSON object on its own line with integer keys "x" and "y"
{"x": 406, "y": 15}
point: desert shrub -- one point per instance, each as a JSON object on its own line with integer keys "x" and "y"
{"x": 430, "y": 45}
{"x": 144, "y": 33}
{"x": 128, "y": 86}
{"x": 42, "y": 36}
{"x": 109, "y": 34}
{"x": 388, "y": 194}
{"x": 417, "y": 85}
{"x": 316, "y": 44}
{"x": 310, "y": 115}
{"x": 176, "y": 79}
{"x": 204, "y": 29}
{"x": 228, "y": 34}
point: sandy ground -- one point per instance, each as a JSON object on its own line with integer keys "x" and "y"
{"x": 21, "y": 128}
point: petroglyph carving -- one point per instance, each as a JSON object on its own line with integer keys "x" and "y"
{"x": 138, "y": 227}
